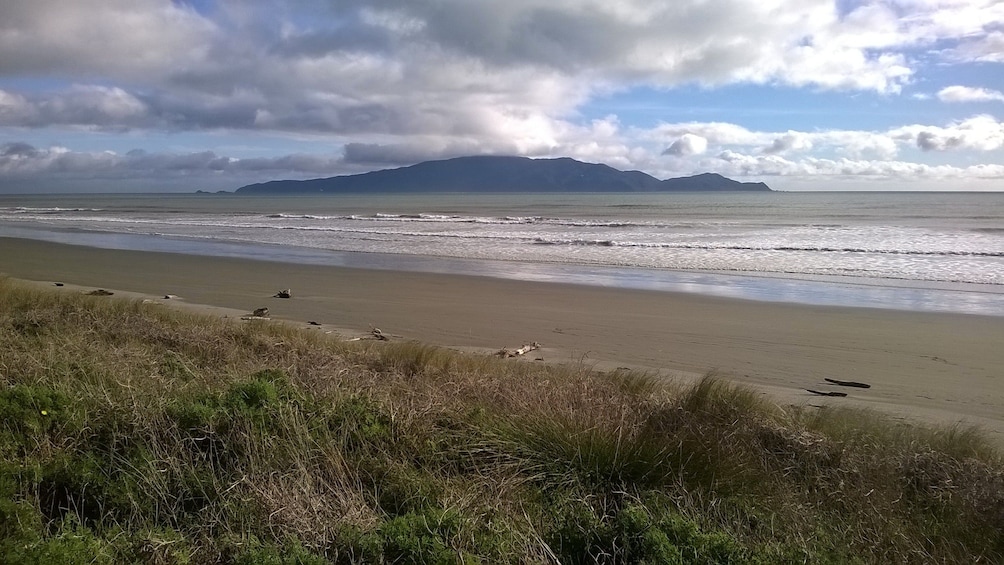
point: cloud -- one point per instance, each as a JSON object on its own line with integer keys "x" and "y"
{"x": 969, "y": 94}
{"x": 749, "y": 165}
{"x": 449, "y": 67}
{"x": 18, "y": 150}
{"x": 716, "y": 133}
{"x": 978, "y": 133}
{"x": 687, "y": 144}
{"x": 729, "y": 149}
{"x": 979, "y": 48}
{"x": 981, "y": 133}
{"x": 118, "y": 39}
{"x": 399, "y": 81}
{"x": 414, "y": 151}
{"x": 791, "y": 141}
{"x": 20, "y": 160}
{"x": 86, "y": 105}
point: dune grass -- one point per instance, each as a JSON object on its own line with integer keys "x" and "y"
{"x": 131, "y": 433}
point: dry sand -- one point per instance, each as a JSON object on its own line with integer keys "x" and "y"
{"x": 927, "y": 367}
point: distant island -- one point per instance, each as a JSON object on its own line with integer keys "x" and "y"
{"x": 502, "y": 174}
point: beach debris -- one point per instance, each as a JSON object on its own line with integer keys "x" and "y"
{"x": 848, "y": 383}
{"x": 283, "y": 294}
{"x": 313, "y": 323}
{"x": 519, "y": 351}
{"x": 257, "y": 314}
{"x": 833, "y": 393}
{"x": 100, "y": 292}
{"x": 58, "y": 284}
{"x": 377, "y": 334}
{"x": 171, "y": 297}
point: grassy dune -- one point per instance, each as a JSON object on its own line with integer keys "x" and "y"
{"x": 131, "y": 433}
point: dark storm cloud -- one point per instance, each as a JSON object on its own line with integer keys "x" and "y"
{"x": 18, "y": 149}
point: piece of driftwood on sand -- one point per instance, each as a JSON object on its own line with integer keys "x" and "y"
{"x": 377, "y": 334}
{"x": 526, "y": 348}
{"x": 848, "y": 383}
{"x": 257, "y": 314}
{"x": 821, "y": 393}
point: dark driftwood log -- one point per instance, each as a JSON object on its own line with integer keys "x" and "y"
{"x": 826, "y": 393}
{"x": 848, "y": 383}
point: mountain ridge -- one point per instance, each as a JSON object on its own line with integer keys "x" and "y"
{"x": 482, "y": 174}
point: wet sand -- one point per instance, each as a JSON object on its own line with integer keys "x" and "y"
{"x": 927, "y": 367}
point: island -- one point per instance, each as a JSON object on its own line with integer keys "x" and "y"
{"x": 480, "y": 174}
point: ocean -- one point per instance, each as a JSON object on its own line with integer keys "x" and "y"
{"x": 912, "y": 251}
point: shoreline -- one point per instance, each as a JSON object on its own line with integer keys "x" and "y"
{"x": 802, "y": 289}
{"x": 924, "y": 367}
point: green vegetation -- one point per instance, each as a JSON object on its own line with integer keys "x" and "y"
{"x": 130, "y": 433}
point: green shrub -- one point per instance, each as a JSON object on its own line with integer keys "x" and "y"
{"x": 353, "y": 545}
{"x": 421, "y": 538}
{"x": 72, "y": 545}
{"x": 360, "y": 423}
{"x": 28, "y": 413}
{"x": 634, "y": 534}
{"x": 259, "y": 394}
{"x": 402, "y": 488}
{"x": 86, "y": 490}
{"x": 290, "y": 553}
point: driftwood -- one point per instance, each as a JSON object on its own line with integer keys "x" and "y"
{"x": 100, "y": 292}
{"x": 848, "y": 383}
{"x": 260, "y": 313}
{"x": 507, "y": 352}
{"x": 375, "y": 333}
{"x": 283, "y": 294}
{"x": 839, "y": 394}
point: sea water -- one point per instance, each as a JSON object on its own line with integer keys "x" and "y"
{"x": 918, "y": 251}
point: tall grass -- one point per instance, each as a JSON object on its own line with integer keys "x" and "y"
{"x": 131, "y": 433}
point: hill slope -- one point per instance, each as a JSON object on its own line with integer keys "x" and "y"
{"x": 502, "y": 174}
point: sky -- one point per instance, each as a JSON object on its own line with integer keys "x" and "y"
{"x": 185, "y": 95}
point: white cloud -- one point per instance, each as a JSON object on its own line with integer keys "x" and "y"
{"x": 980, "y": 133}
{"x": 716, "y": 133}
{"x": 748, "y": 165}
{"x": 790, "y": 141}
{"x": 978, "y": 47}
{"x": 132, "y": 39}
{"x": 687, "y": 144}
{"x": 969, "y": 94}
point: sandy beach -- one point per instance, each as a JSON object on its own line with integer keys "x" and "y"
{"x": 926, "y": 367}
